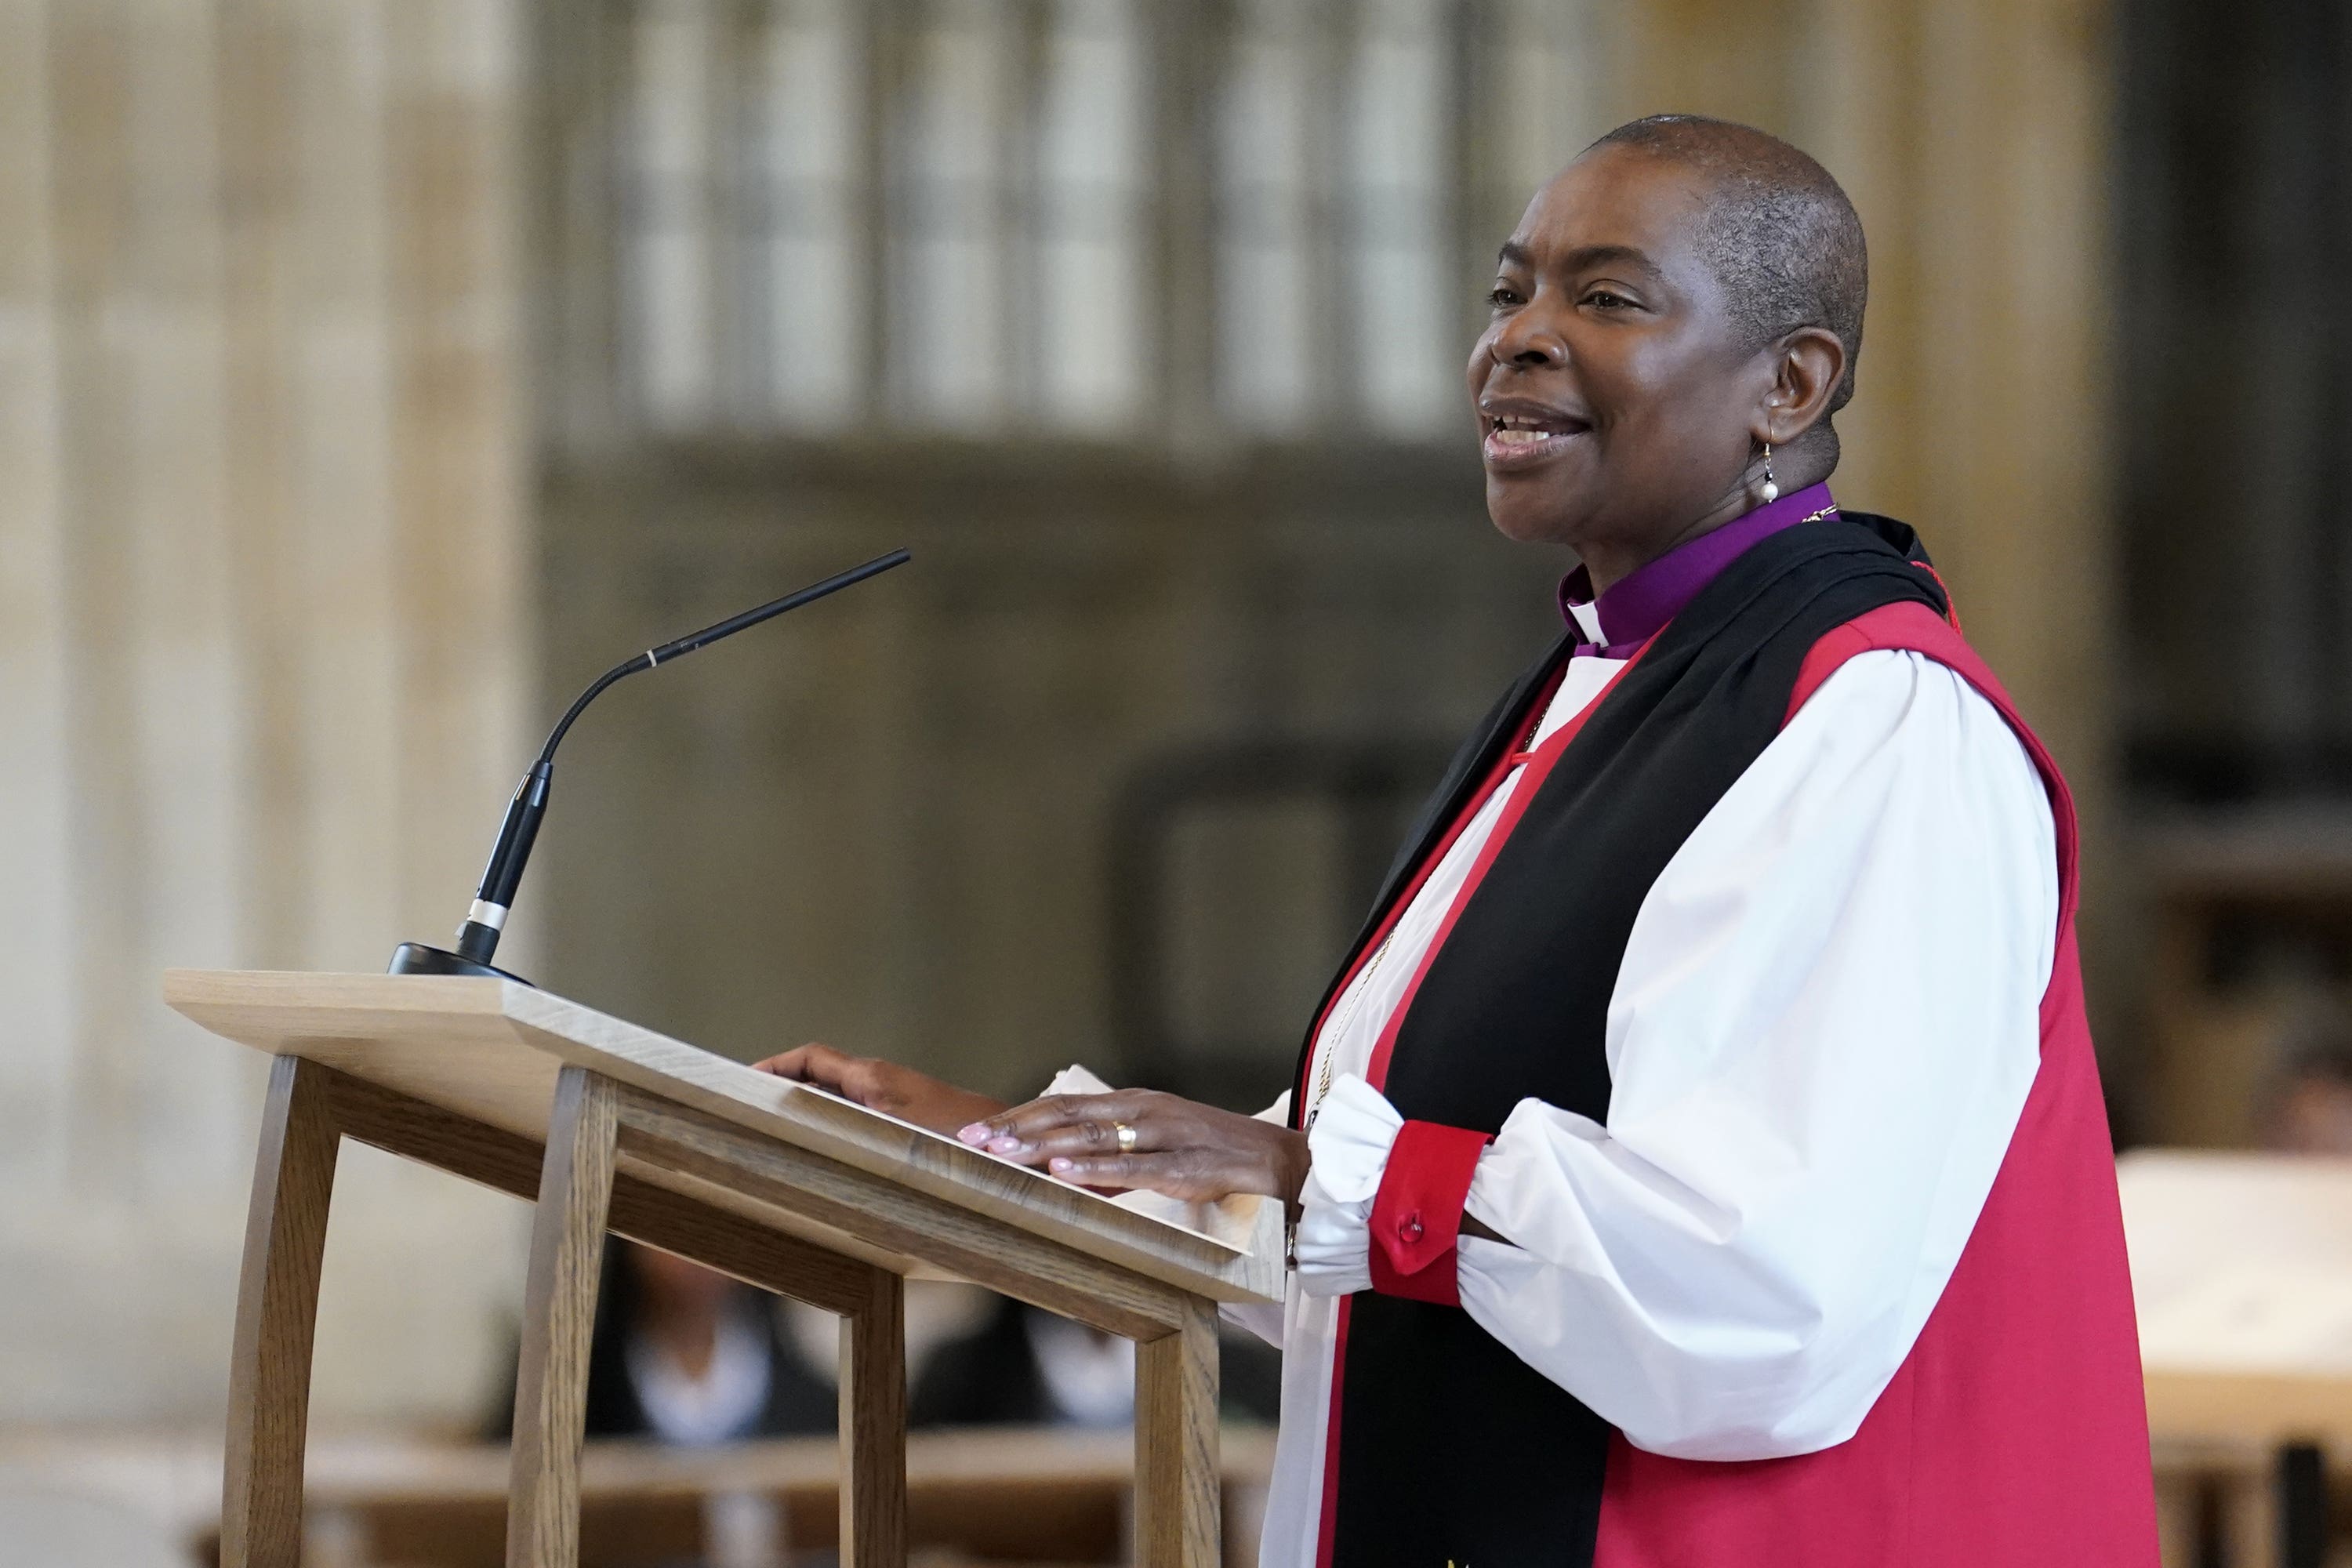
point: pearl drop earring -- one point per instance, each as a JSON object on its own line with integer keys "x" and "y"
{"x": 1771, "y": 491}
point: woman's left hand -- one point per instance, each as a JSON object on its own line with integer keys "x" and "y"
{"x": 1175, "y": 1146}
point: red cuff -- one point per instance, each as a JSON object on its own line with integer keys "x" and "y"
{"x": 1417, "y": 1215}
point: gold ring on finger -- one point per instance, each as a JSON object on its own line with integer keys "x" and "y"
{"x": 1126, "y": 1136}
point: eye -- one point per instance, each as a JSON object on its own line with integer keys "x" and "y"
{"x": 1608, "y": 299}
{"x": 1502, "y": 296}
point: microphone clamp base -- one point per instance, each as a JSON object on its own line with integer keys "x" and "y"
{"x": 419, "y": 958}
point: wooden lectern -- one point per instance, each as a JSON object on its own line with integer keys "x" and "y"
{"x": 612, "y": 1127}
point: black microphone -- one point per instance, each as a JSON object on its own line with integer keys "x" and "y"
{"x": 478, "y": 938}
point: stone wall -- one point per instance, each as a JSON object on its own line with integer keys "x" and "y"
{"x": 265, "y": 640}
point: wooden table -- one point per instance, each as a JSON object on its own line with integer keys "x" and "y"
{"x": 1013, "y": 1495}
{"x": 2241, "y": 1269}
{"x": 996, "y": 1494}
{"x": 614, "y": 1127}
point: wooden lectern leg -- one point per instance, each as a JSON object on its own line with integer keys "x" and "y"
{"x": 276, "y": 1314}
{"x": 575, "y": 1195}
{"x": 873, "y": 1427}
{"x": 1177, "y": 1475}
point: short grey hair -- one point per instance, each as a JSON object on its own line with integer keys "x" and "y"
{"x": 1786, "y": 244}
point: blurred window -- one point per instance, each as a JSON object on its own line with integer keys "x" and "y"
{"x": 1086, "y": 318}
{"x": 807, "y": 327}
{"x": 1082, "y": 218}
{"x": 1269, "y": 220}
{"x": 2234, "y": 391}
{"x": 1397, "y": 145}
{"x": 672, "y": 213}
{"x": 952, "y": 219}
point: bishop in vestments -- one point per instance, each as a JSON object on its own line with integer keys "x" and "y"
{"x": 1699, "y": 1161}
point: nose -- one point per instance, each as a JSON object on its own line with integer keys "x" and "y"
{"x": 1528, "y": 339}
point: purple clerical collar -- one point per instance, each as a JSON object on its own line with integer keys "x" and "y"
{"x": 1633, "y": 610}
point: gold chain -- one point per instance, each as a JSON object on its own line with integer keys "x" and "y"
{"x": 1332, "y": 1035}
{"x": 1328, "y": 1042}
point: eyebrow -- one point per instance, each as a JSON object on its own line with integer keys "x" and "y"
{"x": 1514, "y": 254}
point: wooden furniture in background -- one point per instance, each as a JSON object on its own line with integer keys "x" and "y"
{"x": 997, "y": 1495}
{"x": 2250, "y": 914}
{"x": 2242, "y": 1267}
{"x": 994, "y": 1496}
{"x": 614, "y": 1127}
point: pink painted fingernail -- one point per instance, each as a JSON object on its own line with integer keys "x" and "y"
{"x": 1059, "y": 1164}
{"x": 1008, "y": 1144}
{"x": 975, "y": 1133}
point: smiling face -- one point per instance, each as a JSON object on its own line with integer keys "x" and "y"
{"x": 1620, "y": 406}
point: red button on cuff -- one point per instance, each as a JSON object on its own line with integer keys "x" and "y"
{"x": 1416, "y": 1218}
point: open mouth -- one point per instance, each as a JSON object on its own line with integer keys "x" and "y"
{"x": 1520, "y": 440}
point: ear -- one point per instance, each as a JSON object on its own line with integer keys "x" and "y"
{"x": 1807, "y": 366}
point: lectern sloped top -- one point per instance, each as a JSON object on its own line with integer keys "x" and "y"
{"x": 491, "y": 1050}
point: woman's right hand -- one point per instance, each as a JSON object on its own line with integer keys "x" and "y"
{"x": 885, "y": 1086}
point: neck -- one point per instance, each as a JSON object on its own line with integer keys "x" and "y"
{"x": 1637, "y": 603}
{"x": 1609, "y": 561}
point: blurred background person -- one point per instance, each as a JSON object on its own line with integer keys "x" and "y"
{"x": 2307, "y": 1105}
{"x": 683, "y": 1354}
{"x": 1021, "y": 1366}
{"x": 1024, "y": 1367}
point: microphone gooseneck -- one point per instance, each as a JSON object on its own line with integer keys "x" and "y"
{"x": 477, "y": 937}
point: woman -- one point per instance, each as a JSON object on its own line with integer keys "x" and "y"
{"x": 1700, "y": 1159}
{"x": 681, "y": 1355}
